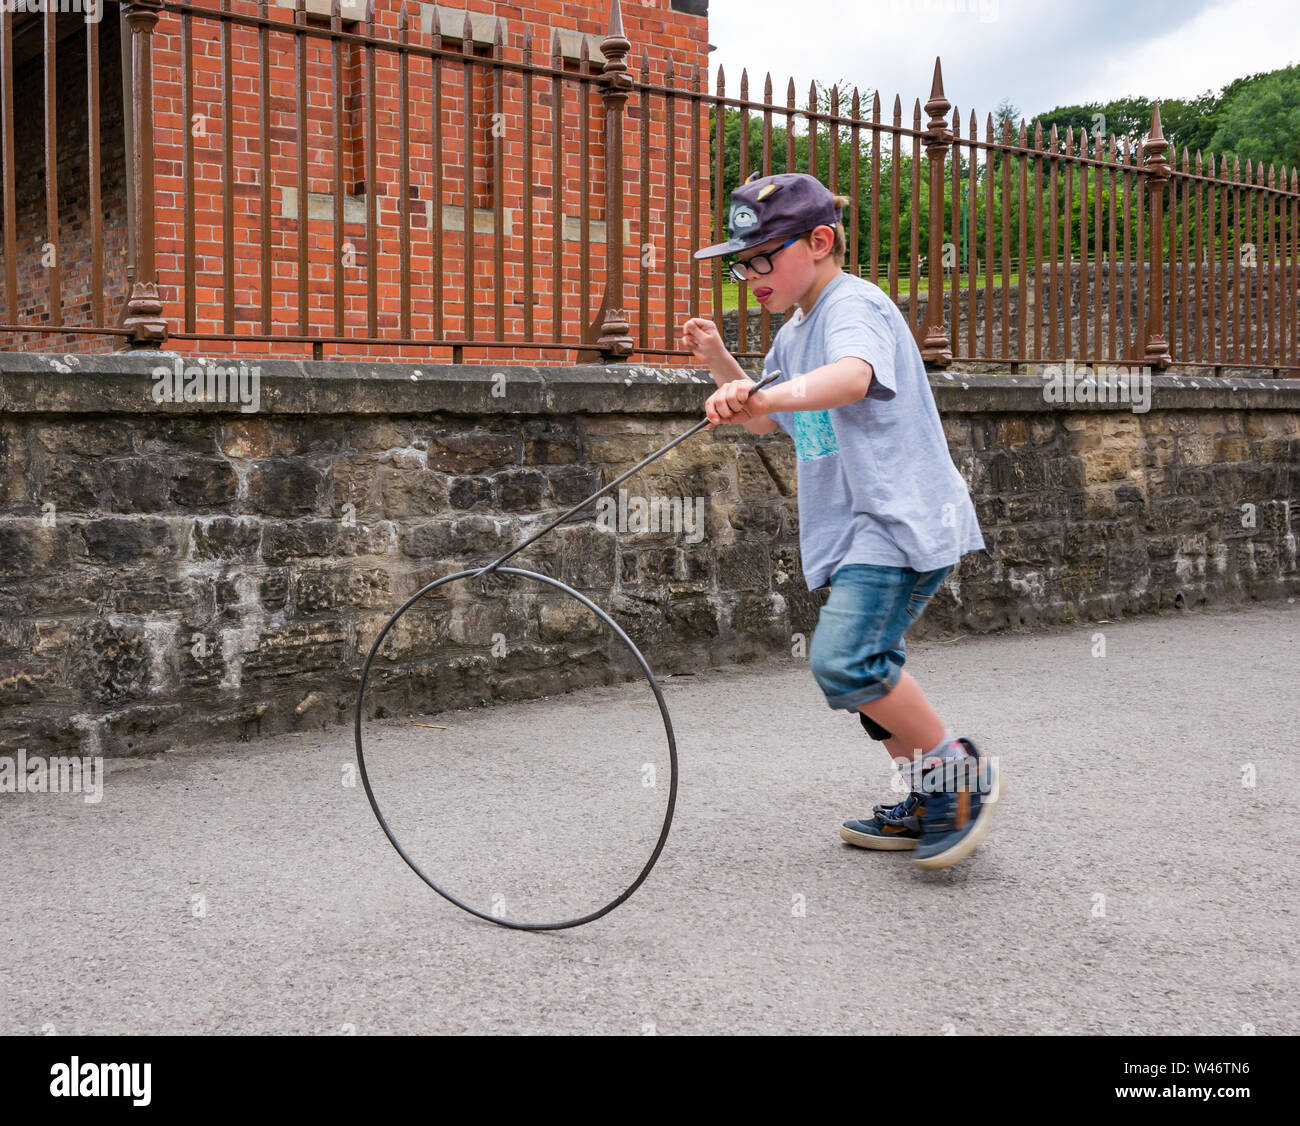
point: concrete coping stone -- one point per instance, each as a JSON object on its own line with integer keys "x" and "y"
{"x": 125, "y": 383}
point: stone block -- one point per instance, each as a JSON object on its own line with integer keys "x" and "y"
{"x": 86, "y": 438}
{"x": 552, "y": 448}
{"x": 474, "y": 492}
{"x": 462, "y": 538}
{"x": 758, "y": 518}
{"x": 383, "y": 434}
{"x": 137, "y": 485}
{"x": 1013, "y": 430}
{"x": 1195, "y": 449}
{"x": 744, "y": 566}
{"x": 300, "y": 539}
{"x": 202, "y": 482}
{"x": 1282, "y": 450}
{"x": 110, "y": 660}
{"x": 1042, "y": 431}
{"x": 472, "y": 451}
{"x": 290, "y": 651}
{"x": 956, "y": 429}
{"x": 692, "y": 618}
{"x": 353, "y": 490}
{"x": 408, "y": 491}
{"x": 1273, "y": 424}
{"x": 117, "y": 539}
{"x": 571, "y": 483}
{"x": 284, "y": 486}
{"x": 1110, "y": 463}
{"x": 245, "y": 439}
{"x": 588, "y": 557}
{"x": 519, "y": 490}
{"x": 72, "y": 485}
{"x": 30, "y": 546}
{"x": 225, "y": 538}
{"x": 1231, "y": 449}
{"x": 340, "y": 588}
{"x": 566, "y": 619}
{"x": 357, "y": 539}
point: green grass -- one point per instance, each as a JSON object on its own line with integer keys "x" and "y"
{"x": 731, "y": 289}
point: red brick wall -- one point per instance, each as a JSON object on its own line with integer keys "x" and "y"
{"x": 654, "y": 29}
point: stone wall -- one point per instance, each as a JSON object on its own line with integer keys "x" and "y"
{"x": 177, "y": 572}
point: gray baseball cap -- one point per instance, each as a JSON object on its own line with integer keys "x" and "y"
{"x": 768, "y": 207}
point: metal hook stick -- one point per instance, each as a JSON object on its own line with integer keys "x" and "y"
{"x": 623, "y": 477}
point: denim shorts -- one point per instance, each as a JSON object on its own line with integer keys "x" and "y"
{"x": 857, "y": 650}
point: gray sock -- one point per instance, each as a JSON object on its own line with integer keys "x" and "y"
{"x": 948, "y": 749}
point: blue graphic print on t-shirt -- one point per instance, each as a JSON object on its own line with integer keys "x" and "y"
{"x": 814, "y": 436}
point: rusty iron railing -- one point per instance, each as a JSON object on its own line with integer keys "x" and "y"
{"x": 1172, "y": 291}
{"x": 1152, "y": 257}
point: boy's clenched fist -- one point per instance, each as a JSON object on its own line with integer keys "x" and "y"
{"x": 704, "y": 341}
{"x": 733, "y": 402}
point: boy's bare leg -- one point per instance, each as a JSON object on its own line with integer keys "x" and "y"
{"x": 907, "y": 713}
{"x": 898, "y": 749}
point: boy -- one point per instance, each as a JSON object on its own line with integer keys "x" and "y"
{"x": 884, "y": 516}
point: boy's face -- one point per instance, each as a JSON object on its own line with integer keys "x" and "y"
{"x": 794, "y": 269}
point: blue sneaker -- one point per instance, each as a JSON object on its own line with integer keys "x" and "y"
{"x": 959, "y": 799}
{"x": 891, "y": 829}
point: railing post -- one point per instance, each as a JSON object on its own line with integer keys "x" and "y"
{"x": 1155, "y": 171}
{"x": 144, "y": 308}
{"x": 611, "y": 327}
{"x": 936, "y": 348}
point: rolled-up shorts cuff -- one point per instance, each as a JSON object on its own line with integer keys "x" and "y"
{"x": 851, "y": 701}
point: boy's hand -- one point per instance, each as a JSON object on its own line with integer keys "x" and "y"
{"x": 704, "y": 341}
{"x": 732, "y": 402}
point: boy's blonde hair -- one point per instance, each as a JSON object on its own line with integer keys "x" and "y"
{"x": 839, "y": 247}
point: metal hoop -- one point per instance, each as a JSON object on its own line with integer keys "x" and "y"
{"x": 663, "y": 709}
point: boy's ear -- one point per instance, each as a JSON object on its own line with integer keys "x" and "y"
{"x": 820, "y": 239}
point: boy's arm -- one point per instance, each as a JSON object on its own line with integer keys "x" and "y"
{"x": 705, "y": 342}
{"x": 725, "y": 369}
{"x": 831, "y": 385}
{"x": 760, "y": 425}
{"x": 702, "y": 339}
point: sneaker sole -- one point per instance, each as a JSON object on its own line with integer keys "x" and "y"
{"x": 880, "y": 844}
{"x": 972, "y": 840}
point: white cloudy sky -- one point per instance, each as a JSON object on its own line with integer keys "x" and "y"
{"x": 1038, "y": 53}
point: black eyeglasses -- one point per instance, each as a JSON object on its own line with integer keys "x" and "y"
{"x": 760, "y": 263}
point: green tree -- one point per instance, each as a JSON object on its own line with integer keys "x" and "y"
{"x": 1261, "y": 121}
